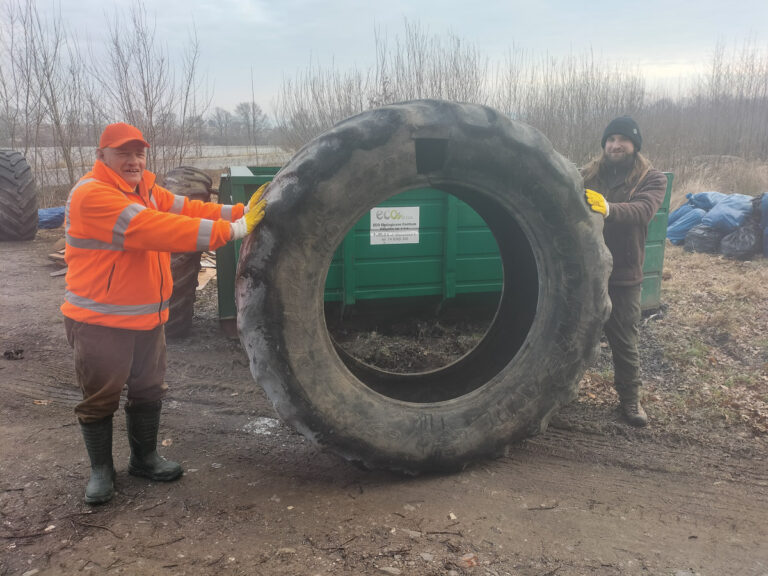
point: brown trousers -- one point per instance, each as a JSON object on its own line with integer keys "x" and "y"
{"x": 623, "y": 334}
{"x": 108, "y": 359}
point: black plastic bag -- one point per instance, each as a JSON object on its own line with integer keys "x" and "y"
{"x": 744, "y": 242}
{"x": 703, "y": 239}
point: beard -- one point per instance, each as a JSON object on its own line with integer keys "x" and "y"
{"x": 616, "y": 168}
{"x": 619, "y": 161}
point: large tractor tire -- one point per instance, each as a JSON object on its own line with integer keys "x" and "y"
{"x": 18, "y": 198}
{"x": 546, "y": 328}
{"x": 185, "y": 266}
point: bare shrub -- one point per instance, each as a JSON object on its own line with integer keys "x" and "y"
{"x": 727, "y": 174}
{"x": 21, "y": 109}
{"x": 140, "y": 86}
{"x": 570, "y": 99}
{"x": 52, "y": 95}
{"x": 416, "y": 66}
{"x": 42, "y": 88}
{"x": 55, "y": 100}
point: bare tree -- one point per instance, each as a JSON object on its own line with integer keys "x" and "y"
{"x": 222, "y": 122}
{"x": 419, "y": 65}
{"x": 60, "y": 75}
{"x": 428, "y": 66}
{"x": 21, "y": 108}
{"x": 194, "y": 102}
{"x": 252, "y": 122}
{"x": 140, "y": 87}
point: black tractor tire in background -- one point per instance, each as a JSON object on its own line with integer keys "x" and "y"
{"x": 18, "y": 198}
{"x": 185, "y": 266}
{"x": 546, "y": 328}
{"x": 190, "y": 182}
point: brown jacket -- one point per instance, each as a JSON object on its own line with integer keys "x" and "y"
{"x": 633, "y": 202}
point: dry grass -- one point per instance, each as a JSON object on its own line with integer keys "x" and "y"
{"x": 727, "y": 174}
{"x": 705, "y": 359}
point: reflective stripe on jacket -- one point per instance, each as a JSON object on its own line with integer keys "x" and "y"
{"x": 118, "y": 244}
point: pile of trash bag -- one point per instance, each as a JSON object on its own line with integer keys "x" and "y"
{"x": 734, "y": 225}
{"x": 50, "y": 217}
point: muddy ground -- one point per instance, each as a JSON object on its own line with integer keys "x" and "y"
{"x": 687, "y": 496}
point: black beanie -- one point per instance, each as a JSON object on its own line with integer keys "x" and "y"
{"x": 625, "y": 126}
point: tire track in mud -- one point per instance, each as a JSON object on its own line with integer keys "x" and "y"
{"x": 35, "y": 390}
{"x": 700, "y": 515}
{"x": 45, "y": 379}
{"x": 640, "y": 451}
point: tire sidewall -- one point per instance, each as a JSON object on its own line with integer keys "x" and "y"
{"x": 283, "y": 327}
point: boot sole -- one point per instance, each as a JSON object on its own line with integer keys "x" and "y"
{"x": 636, "y": 424}
{"x": 98, "y": 499}
{"x": 103, "y": 499}
{"x": 157, "y": 477}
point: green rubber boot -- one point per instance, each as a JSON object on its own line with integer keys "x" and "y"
{"x": 143, "y": 422}
{"x": 98, "y": 442}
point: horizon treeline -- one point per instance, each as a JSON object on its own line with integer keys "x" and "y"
{"x": 55, "y": 94}
{"x": 58, "y": 95}
{"x": 723, "y": 111}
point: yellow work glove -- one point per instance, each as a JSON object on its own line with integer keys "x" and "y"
{"x": 254, "y": 215}
{"x": 597, "y": 202}
{"x": 256, "y": 197}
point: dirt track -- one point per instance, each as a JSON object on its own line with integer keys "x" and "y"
{"x": 591, "y": 496}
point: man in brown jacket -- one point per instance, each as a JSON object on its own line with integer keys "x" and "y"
{"x": 623, "y": 186}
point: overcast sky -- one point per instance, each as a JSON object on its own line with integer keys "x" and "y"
{"x": 667, "y": 39}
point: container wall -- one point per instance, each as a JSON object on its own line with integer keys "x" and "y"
{"x": 423, "y": 242}
{"x": 650, "y": 297}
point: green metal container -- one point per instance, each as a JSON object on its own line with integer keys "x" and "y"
{"x": 447, "y": 251}
{"x": 237, "y": 185}
{"x": 650, "y": 297}
{"x": 422, "y": 242}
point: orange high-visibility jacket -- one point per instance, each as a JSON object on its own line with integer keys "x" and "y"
{"x": 118, "y": 245}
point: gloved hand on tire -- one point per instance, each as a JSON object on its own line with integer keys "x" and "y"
{"x": 256, "y": 197}
{"x": 254, "y": 213}
{"x": 597, "y": 202}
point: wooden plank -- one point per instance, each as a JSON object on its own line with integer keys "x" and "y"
{"x": 205, "y": 276}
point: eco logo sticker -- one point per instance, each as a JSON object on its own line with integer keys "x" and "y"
{"x": 395, "y": 225}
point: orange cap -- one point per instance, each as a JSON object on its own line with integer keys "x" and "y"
{"x": 115, "y": 135}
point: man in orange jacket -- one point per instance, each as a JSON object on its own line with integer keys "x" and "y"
{"x": 120, "y": 229}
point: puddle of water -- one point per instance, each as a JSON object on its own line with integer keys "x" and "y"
{"x": 261, "y": 426}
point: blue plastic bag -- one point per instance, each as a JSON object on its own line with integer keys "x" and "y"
{"x": 706, "y": 200}
{"x": 682, "y": 211}
{"x": 50, "y": 217}
{"x": 679, "y": 228}
{"x": 729, "y": 213}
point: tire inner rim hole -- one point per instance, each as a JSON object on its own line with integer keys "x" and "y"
{"x": 426, "y": 349}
